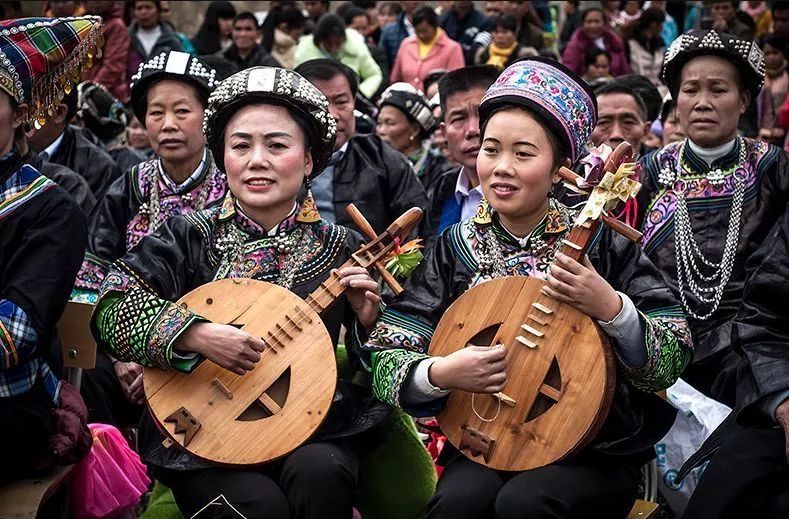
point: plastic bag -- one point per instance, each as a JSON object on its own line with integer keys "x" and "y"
{"x": 111, "y": 479}
{"x": 697, "y": 418}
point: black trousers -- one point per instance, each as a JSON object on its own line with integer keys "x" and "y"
{"x": 318, "y": 480}
{"x": 25, "y": 428}
{"x": 589, "y": 485}
{"x": 101, "y": 390}
{"x": 747, "y": 477}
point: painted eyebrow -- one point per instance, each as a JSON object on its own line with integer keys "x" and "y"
{"x": 270, "y": 135}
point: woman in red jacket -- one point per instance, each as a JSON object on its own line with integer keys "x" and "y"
{"x": 595, "y": 31}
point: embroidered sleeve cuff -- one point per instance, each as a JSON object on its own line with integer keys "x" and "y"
{"x": 627, "y": 330}
{"x": 417, "y": 388}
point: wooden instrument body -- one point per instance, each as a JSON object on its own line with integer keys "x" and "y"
{"x": 272, "y": 409}
{"x": 560, "y": 386}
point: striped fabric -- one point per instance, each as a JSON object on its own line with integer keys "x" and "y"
{"x": 20, "y": 188}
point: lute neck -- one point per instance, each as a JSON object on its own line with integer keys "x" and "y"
{"x": 576, "y": 244}
{"x": 327, "y": 293}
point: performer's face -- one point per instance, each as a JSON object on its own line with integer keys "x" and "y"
{"x": 711, "y": 100}
{"x": 174, "y": 120}
{"x": 266, "y": 160}
{"x": 516, "y": 168}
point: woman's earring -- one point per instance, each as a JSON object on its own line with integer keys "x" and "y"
{"x": 308, "y": 211}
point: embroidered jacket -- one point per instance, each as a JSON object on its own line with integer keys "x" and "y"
{"x": 765, "y": 199}
{"x": 403, "y": 333}
{"x": 137, "y": 320}
{"x": 123, "y": 216}
{"x": 42, "y": 239}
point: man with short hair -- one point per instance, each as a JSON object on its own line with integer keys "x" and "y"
{"x": 363, "y": 170}
{"x": 60, "y": 143}
{"x": 245, "y": 52}
{"x": 621, "y": 117}
{"x": 462, "y": 22}
{"x": 725, "y": 19}
{"x": 457, "y": 192}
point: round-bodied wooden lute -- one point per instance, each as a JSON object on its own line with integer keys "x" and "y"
{"x": 274, "y": 408}
{"x": 560, "y": 367}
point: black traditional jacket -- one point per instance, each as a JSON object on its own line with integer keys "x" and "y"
{"x": 402, "y": 335}
{"x": 378, "y": 179}
{"x": 42, "y": 239}
{"x": 70, "y": 181}
{"x": 765, "y": 200}
{"x": 140, "y": 289}
{"x": 90, "y": 160}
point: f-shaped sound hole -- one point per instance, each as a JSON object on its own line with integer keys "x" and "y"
{"x": 270, "y": 402}
{"x": 548, "y": 394}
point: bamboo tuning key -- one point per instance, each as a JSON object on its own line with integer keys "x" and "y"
{"x": 367, "y": 229}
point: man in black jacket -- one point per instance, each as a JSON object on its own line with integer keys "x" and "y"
{"x": 66, "y": 145}
{"x": 363, "y": 170}
{"x": 245, "y": 52}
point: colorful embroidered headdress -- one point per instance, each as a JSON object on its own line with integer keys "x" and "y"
{"x": 42, "y": 58}
{"x": 743, "y": 54}
{"x": 560, "y": 98}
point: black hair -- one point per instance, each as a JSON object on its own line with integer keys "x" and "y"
{"x": 326, "y": 70}
{"x": 246, "y": 15}
{"x": 591, "y": 56}
{"x": 618, "y": 87}
{"x": 394, "y": 7}
{"x": 206, "y": 41}
{"x": 279, "y": 14}
{"x": 71, "y": 101}
{"x": 506, "y": 22}
{"x": 647, "y": 90}
{"x": 425, "y": 14}
{"x": 734, "y": 3}
{"x": 650, "y": 16}
{"x": 780, "y": 44}
{"x": 463, "y": 80}
{"x": 364, "y": 4}
{"x": 591, "y": 10}
{"x": 666, "y": 109}
{"x": 329, "y": 25}
{"x": 350, "y": 12}
{"x": 433, "y": 77}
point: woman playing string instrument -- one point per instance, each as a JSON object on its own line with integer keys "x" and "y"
{"x": 535, "y": 118}
{"x": 269, "y": 130}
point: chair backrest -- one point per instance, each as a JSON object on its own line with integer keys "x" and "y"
{"x": 79, "y": 347}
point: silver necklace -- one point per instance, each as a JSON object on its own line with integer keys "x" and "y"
{"x": 707, "y": 288}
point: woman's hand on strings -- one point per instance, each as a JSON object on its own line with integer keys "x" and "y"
{"x": 579, "y": 285}
{"x": 363, "y": 294}
{"x": 225, "y": 345}
{"x": 477, "y": 369}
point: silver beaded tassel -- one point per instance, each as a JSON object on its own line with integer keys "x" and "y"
{"x": 707, "y": 288}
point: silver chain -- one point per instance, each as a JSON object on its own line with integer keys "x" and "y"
{"x": 707, "y": 288}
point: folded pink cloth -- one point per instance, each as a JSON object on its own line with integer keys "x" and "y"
{"x": 110, "y": 480}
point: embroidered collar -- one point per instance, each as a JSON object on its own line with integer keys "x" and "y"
{"x": 231, "y": 209}
{"x": 556, "y": 221}
{"x": 694, "y": 163}
{"x": 190, "y": 183}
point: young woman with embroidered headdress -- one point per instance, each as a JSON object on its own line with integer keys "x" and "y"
{"x": 269, "y": 144}
{"x": 42, "y": 240}
{"x": 710, "y": 200}
{"x": 168, "y": 96}
{"x": 536, "y": 117}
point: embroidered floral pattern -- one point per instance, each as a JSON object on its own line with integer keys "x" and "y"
{"x": 390, "y": 369}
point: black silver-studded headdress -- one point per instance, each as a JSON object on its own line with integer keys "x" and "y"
{"x": 743, "y": 54}
{"x": 279, "y": 86}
